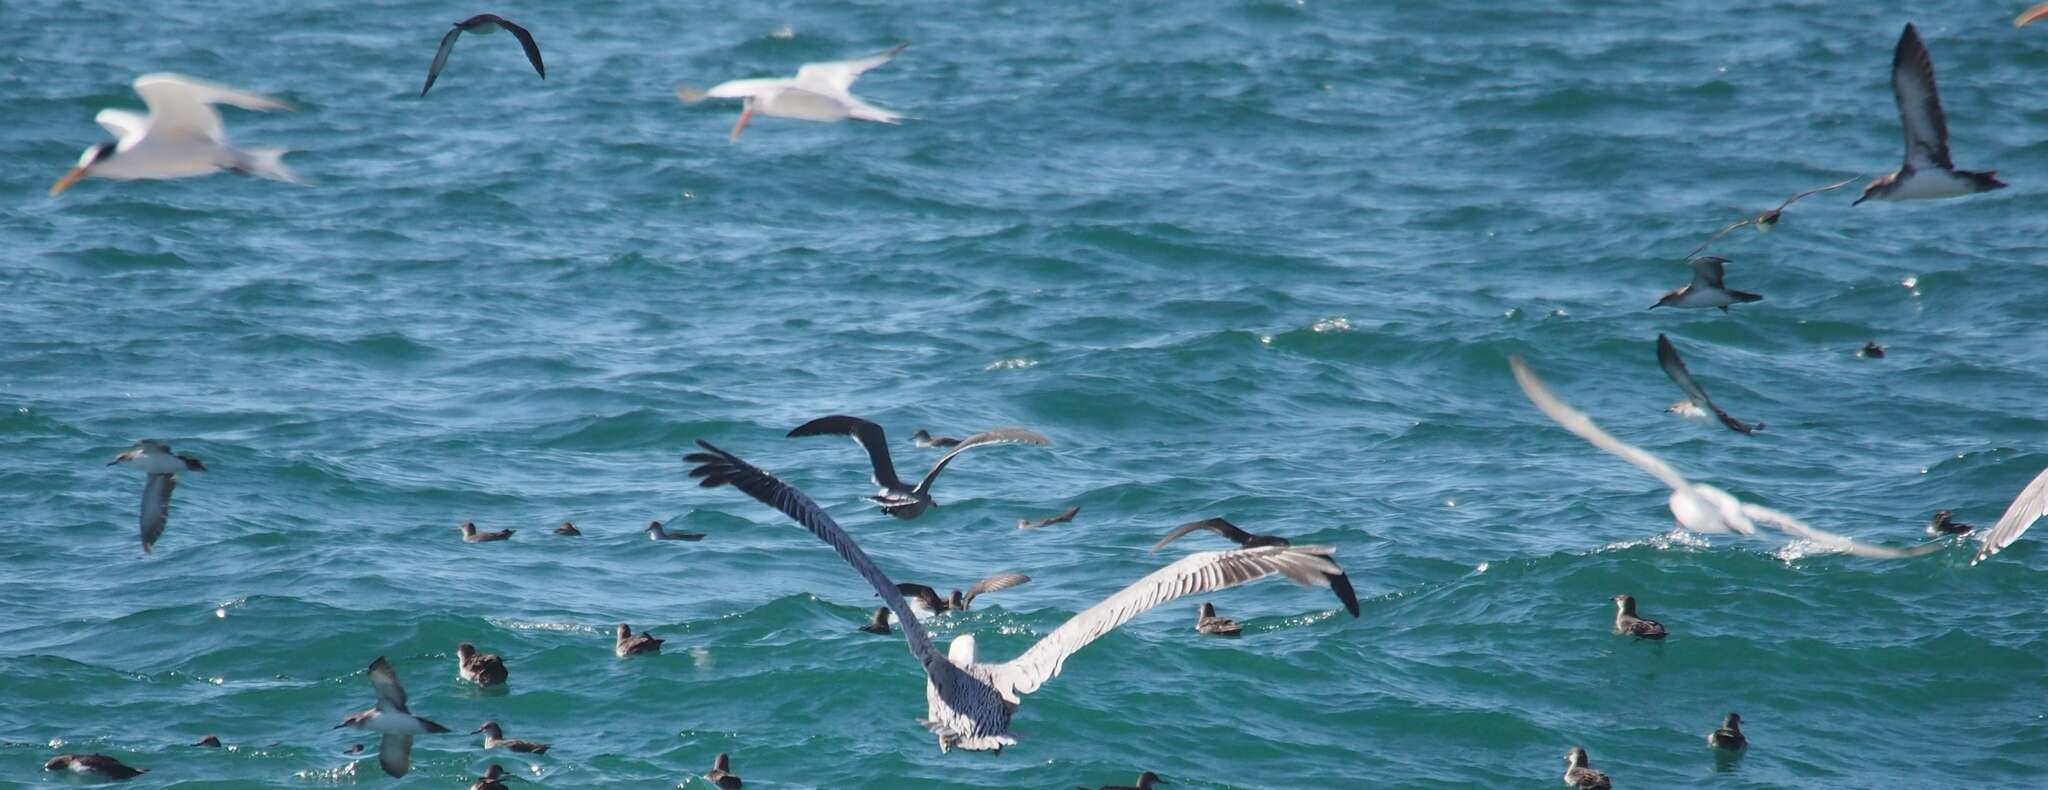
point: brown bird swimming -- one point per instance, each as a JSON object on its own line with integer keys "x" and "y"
{"x": 491, "y": 780}
{"x": 568, "y": 529}
{"x": 98, "y": 765}
{"x": 1729, "y": 736}
{"x": 721, "y": 773}
{"x": 1944, "y": 524}
{"x": 959, "y": 602}
{"x": 494, "y": 738}
{"x": 655, "y": 531}
{"x": 926, "y": 441}
{"x": 483, "y": 669}
{"x": 1207, "y": 622}
{"x": 1581, "y": 776}
{"x": 1146, "y": 781}
{"x": 470, "y": 535}
{"x": 879, "y": 625}
{"x": 631, "y": 644}
{"x": 1626, "y": 623}
{"x": 208, "y": 742}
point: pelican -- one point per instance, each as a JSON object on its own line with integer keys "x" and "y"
{"x": 182, "y": 136}
{"x": 899, "y": 500}
{"x": 2021, "y": 514}
{"x": 969, "y": 703}
{"x": 818, "y": 92}
{"x": 156, "y": 459}
{"x": 391, "y": 719}
{"x": 1695, "y": 506}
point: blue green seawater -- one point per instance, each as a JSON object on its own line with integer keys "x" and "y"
{"x": 1259, "y": 260}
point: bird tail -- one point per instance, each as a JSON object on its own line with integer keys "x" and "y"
{"x": 1983, "y": 180}
{"x": 265, "y": 162}
{"x": 1741, "y": 296}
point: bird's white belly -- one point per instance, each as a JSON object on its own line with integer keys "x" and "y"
{"x": 394, "y": 724}
{"x": 159, "y": 158}
{"x": 1932, "y": 185}
{"x": 803, "y": 105}
{"x": 1704, "y": 297}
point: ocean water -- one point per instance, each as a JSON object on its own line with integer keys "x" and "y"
{"x": 1258, "y": 260}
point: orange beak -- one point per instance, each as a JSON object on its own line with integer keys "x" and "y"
{"x": 746, "y": 114}
{"x": 72, "y": 178}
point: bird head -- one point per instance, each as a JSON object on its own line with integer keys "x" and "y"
{"x": 1876, "y": 188}
{"x": 468, "y": 528}
{"x": 489, "y": 728}
{"x": 1577, "y": 756}
{"x": 356, "y": 720}
{"x": 1147, "y": 779}
{"x": 465, "y": 651}
{"x": 86, "y": 162}
{"x": 1732, "y": 721}
{"x": 624, "y": 632}
{"x": 1625, "y": 603}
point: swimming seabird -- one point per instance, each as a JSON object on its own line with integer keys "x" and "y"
{"x": 1337, "y": 581}
{"x": 391, "y": 719}
{"x": 1626, "y": 623}
{"x": 1729, "y": 736}
{"x": 568, "y": 529}
{"x": 98, "y": 765}
{"x": 1706, "y": 289}
{"x": 631, "y": 644}
{"x": 182, "y": 136}
{"x": 208, "y": 742}
{"x": 899, "y": 500}
{"x": 494, "y": 738}
{"x": 2030, "y": 15}
{"x": 880, "y": 624}
{"x": 490, "y": 780}
{"x": 1207, "y": 622}
{"x": 470, "y": 535}
{"x": 818, "y": 92}
{"x": 483, "y": 669}
{"x": 1927, "y": 172}
{"x": 1944, "y": 525}
{"x": 959, "y": 602}
{"x": 1580, "y": 776}
{"x": 155, "y": 459}
{"x": 969, "y": 703}
{"x": 926, "y": 441}
{"x": 655, "y": 531}
{"x": 1695, "y": 506}
{"x": 483, "y": 24}
{"x": 1767, "y": 221}
{"x": 1871, "y": 350}
{"x": 1146, "y": 781}
{"x": 721, "y": 773}
{"x": 1059, "y": 519}
{"x": 1667, "y": 358}
{"x": 2021, "y": 514}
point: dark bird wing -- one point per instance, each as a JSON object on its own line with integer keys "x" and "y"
{"x": 1709, "y": 271}
{"x": 526, "y": 42}
{"x": 997, "y": 436}
{"x": 156, "y": 507}
{"x": 2021, "y": 514}
{"x": 394, "y": 752}
{"x": 441, "y": 58}
{"x": 1815, "y": 191}
{"x": 868, "y": 435}
{"x": 384, "y": 679}
{"x": 1919, "y": 104}
{"x": 929, "y": 596}
{"x": 1000, "y": 581}
{"x": 1217, "y": 525}
{"x": 1717, "y": 237}
{"x": 1667, "y": 358}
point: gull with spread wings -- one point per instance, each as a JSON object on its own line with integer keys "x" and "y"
{"x": 969, "y": 703}
{"x": 1696, "y": 401}
{"x": 899, "y": 500}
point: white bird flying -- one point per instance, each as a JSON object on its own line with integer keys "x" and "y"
{"x": 818, "y": 92}
{"x": 182, "y": 136}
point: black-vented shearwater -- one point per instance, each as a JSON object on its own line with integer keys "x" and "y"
{"x": 1696, "y": 396}
{"x": 494, "y": 738}
{"x": 1626, "y": 623}
{"x": 162, "y": 466}
{"x": 1729, "y": 736}
{"x": 1706, "y": 288}
{"x": 1927, "y": 172}
{"x": 483, "y": 24}
{"x": 1146, "y": 781}
{"x": 631, "y": 644}
{"x": 1207, "y": 622}
{"x": 1767, "y": 221}
{"x": 470, "y": 535}
{"x": 98, "y": 765}
{"x": 655, "y": 531}
{"x": 880, "y": 623}
{"x": 391, "y": 719}
{"x": 721, "y": 773}
{"x": 925, "y": 441}
{"x": 1047, "y": 522}
{"x": 1579, "y": 774}
{"x": 899, "y": 500}
{"x": 491, "y": 780}
{"x": 568, "y": 529}
{"x": 483, "y": 669}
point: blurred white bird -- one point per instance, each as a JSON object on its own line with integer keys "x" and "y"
{"x": 818, "y": 92}
{"x": 182, "y": 136}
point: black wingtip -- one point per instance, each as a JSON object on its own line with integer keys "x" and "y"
{"x": 1341, "y": 584}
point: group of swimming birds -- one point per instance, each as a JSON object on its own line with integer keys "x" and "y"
{"x": 970, "y": 702}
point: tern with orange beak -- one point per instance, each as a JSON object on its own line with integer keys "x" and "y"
{"x": 818, "y": 92}
{"x": 182, "y": 136}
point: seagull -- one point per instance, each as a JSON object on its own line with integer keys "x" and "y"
{"x": 879, "y": 625}
{"x": 1059, "y": 519}
{"x": 1927, "y": 172}
{"x": 1336, "y": 581}
{"x": 2031, "y": 15}
{"x": 470, "y": 535}
{"x": 818, "y": 92}
{"x": 156, "y": 459}
{"x": 1729, "y": 736}
{"x": 1207, "y": 622}
{"x": 1767, "y": 221}
{"x": 483, "y": 669}
{"x": 483, "y": 24}
{"x": 1694, "y": 506}
{"x": 958, "y": 602}
{"x": 490, "y": 779}
{"x": 98, "y": 765}
{"x": 1705, "y": 290}
{"x": 897, "y": 499}
{"x": 1626, "y": 623}
{"x": 969, "y": 703}
{"x": 1944, "y": 524}
{"x": 926, "y": 441}
{"x": 1146, "y": 781}
{"x": 1871, "y": 350}
{"x": 391, "y": 719}
{"x": 182, "y": 136}
{"x": 568, "y": 529}
{"x": 494, "y": 737}
{"x": 721, "y": 773}
{"x": 208, "y": 742}
{"x": 2020, "y": 515}
{"x": 630, "y": 644}
{"x": 656, "y": 532}
{"x": 1696, "y": 396}
{"x": 1580, "y": 776}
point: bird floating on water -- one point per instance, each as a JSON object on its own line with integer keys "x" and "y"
{"x": 1729, "y": 736}
{"x": 208, "y": 742}
{"x": 880, "y": 623}
{"x": 899, "y": 500}
{"x": 98, "y": 765}
{"x": 392, "y": 720}
{"x": 1626, "y": 623}
{"x": 721, "y": 773}
{"x": 181, "y": 137}
{"x": 818, "y": 92}
{"x": 1146, "y": 781}
{"x": 1706, "y": 288}
{"x": 1335, "y": 580}
{"x": 1927, "y": 172}
{"x": 1579, "y": 775}
{"x": 2021, "y": 514}
{"x": 483, "y": 24}
{"x": 969, "y": 703}
{"x": 631, "y": 644}
{"x": 925, "y": 441}
{"x": 470, "y": 535}
{"x": 1871, "y": 350}
{"x": 1207, "y": 622}
{"x": 1696, "y": 396}
{"x": 1694, "y": 506}
{"x": 655, "y": 531}
{"x": 494, "y": 738}
{"x": 483, "y": 669}
{"x": 958, "y": 602}
{"x": 1944, "y": 524}
{"x": 162, "y": 466}
{"x": 1047, "y": 522}
{"x": 491, "y": 780}
{"x": 1767, "y": 221}
{"x": 568, "y": 529}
